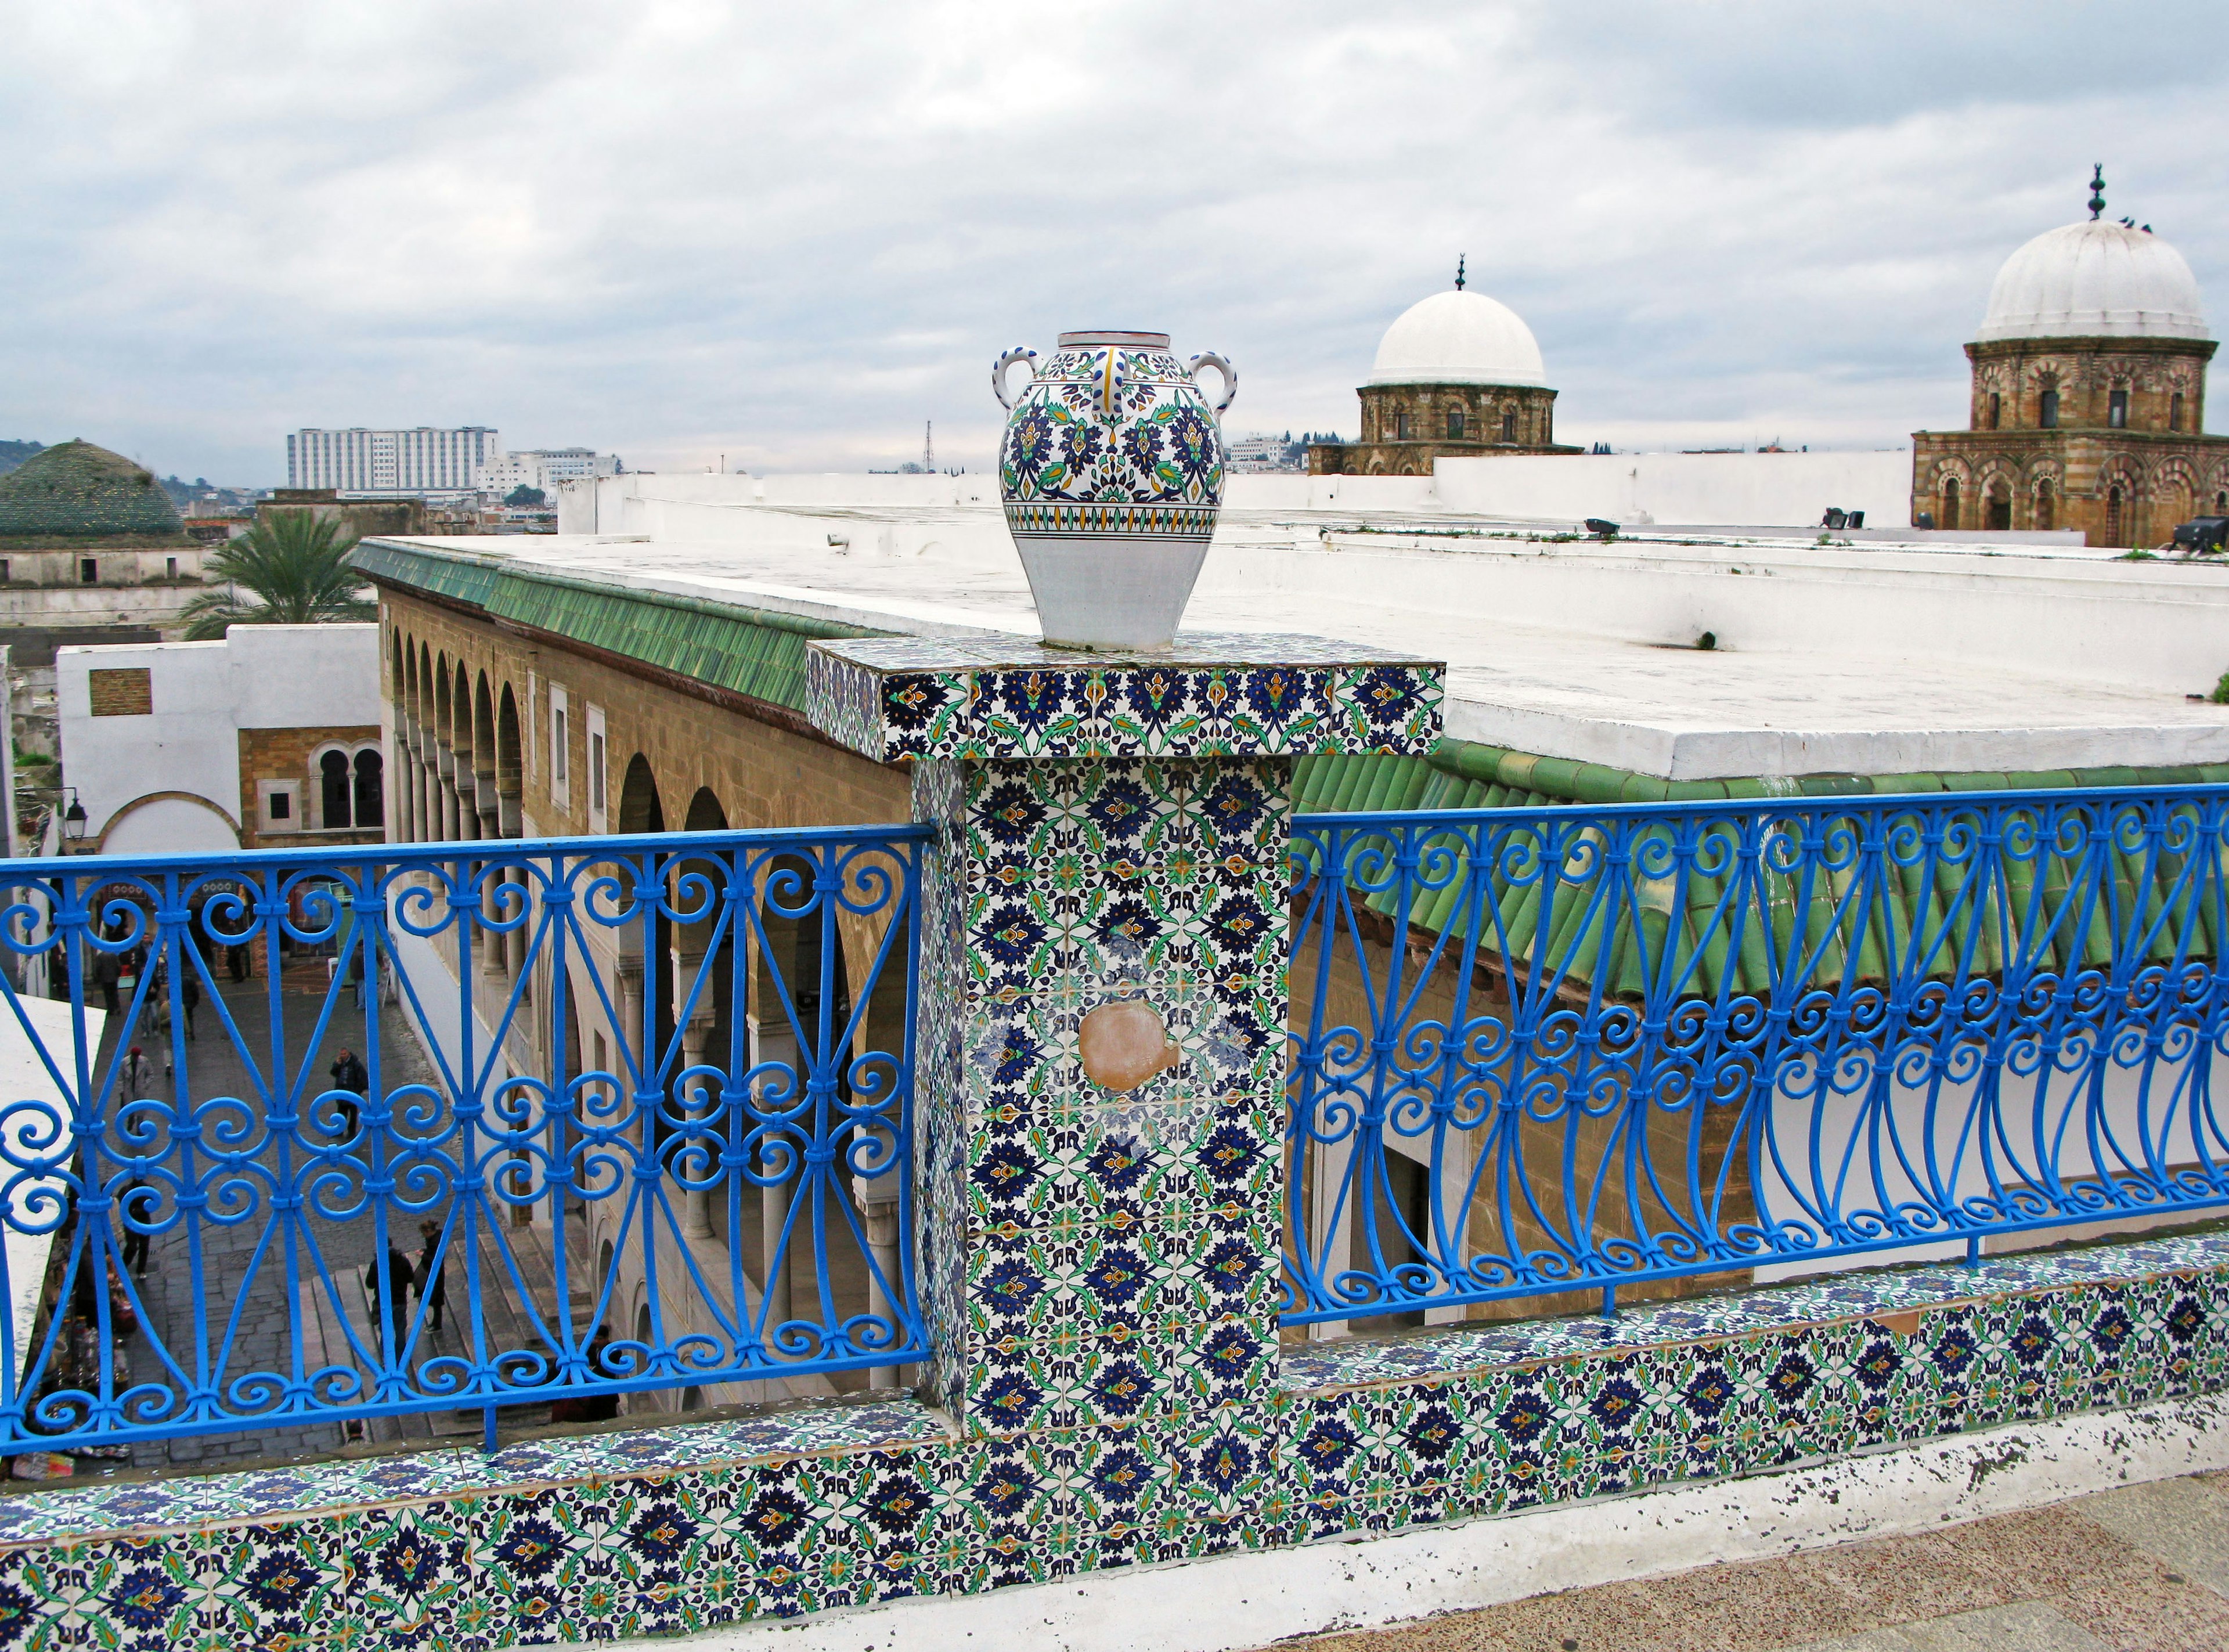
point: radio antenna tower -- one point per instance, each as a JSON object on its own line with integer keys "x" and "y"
{"x": 929, "y": 447}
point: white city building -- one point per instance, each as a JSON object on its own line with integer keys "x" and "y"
{"x": 359, "y": 461}
{"x": 544, "y": 468}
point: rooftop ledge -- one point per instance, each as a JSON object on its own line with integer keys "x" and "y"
{"x": 1866, "y": 660}
{"x": 1893, "y": 1297}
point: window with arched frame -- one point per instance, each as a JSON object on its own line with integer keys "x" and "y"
{"x": 1509, "y": 425}
{"x": 1996, "y": 410}
{"x": 1949, "y": 502}
{"x": 351, "y": 787}
{"x": 1454, "y": 424}
{"x": 2046, "y": 505}
{"x": 2175, "y": 411}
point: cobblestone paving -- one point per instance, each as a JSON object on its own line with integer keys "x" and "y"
{"x": 2143, "y": 1569}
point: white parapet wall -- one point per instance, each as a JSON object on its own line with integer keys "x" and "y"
{"x": 1748, "y": 489}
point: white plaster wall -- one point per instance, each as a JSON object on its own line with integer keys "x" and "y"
{"x": 189, "y": 744}
{"x": 172, "y": 826}
{"x": 305, "y": 677}
{"x": 1755, "y": 490}
{"x": 203, "y": 693}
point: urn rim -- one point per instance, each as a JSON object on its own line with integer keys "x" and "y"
{"x": 1115, "y": 336}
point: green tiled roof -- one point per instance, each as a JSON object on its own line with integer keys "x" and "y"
{"x": 750, "y": 651}
{"x": 1464, "y": 774}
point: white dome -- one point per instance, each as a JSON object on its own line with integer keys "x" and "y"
{"x": 1458, "y": 338}
{"x": 2097, "y": 278}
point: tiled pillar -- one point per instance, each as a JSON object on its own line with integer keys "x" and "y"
{"x": 1101, "y": 1023}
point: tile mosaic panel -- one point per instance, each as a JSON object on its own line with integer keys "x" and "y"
{"x": 633, "y": 1548}
{"x": 1211, "y": 696}
{"x": 1120, "y": 1223}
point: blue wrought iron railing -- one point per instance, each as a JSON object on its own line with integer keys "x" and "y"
{"x": 452, "y": 1127}
{"x": 1539, "y": 1051}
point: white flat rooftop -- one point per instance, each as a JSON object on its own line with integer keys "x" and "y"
{"x": 1880, "y": 659}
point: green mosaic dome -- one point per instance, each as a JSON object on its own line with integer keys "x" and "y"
{"x": 77, "y": 490}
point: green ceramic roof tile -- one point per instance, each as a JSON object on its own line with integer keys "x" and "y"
{"x": 754, "y": 651}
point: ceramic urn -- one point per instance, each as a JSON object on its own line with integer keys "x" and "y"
{"x": 1111, "y": 471}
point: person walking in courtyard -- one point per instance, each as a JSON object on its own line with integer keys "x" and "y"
{"x": 401, "y": 1278}
{"x": 138, "y": 1075}
{"x": 347, "y": 1074}
{"x": 432, "y": 1273}
{"x": 235, "y": 962}
{"x": 107, "y": 970}
{"x": 189, "y": 996}
{"x": 137, "y": 1204}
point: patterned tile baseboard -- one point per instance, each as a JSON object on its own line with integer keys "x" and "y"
{"x": 682, "y": 1528}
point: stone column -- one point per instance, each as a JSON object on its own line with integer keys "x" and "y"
{"x": 446, "y": 767}
{"x": 1101, "y": 1017}
{"x": 399, "y": 821}
{"x": 421, "y": 799}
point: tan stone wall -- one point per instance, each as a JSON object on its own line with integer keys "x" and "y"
{"x": 760, "y": 774}
{"x": 2127, "y": 486}
{"x": 1494, "y": 419}
{"x": 268, "y": 755}
{"x": 2068, "y": 478}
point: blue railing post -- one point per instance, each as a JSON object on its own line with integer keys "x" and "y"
{"x": 1101, "y": 1041}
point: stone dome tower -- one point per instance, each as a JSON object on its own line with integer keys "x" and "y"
{"x": 1458, "y": 374}
{"x": 2088, "y": 405}
{"x": 77, "y": 490}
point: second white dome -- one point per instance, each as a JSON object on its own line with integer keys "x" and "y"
{"x": 2093, "y": 279}
{"x": 1458, "y": 338}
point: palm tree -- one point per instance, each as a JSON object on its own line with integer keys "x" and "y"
{"x": 293, "y": 564}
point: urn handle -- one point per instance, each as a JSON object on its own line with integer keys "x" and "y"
{"x": 1209, "y": 358}
{"x": 999, "y": 374}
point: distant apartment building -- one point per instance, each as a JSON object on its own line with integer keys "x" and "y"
{"x": 1269, "y": 454}
{"x": 420, "y": 461}
{"x": 544, "y": 468}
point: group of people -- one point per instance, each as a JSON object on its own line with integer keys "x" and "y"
{"x": 428, "y": 1276}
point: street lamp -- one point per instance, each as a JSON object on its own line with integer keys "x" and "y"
{"x": 74, "y": 821}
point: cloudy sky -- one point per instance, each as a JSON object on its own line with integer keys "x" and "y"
{"x": 790, "y": 234}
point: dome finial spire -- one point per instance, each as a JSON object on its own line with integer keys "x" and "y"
{"x": 1460, "y": 257}
{"x": 2096, "y": 190}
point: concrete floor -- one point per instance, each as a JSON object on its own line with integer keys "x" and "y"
{"x": 2145, "y": 1569}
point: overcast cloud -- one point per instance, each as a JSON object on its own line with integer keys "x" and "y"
{"x": 791, "y": 233}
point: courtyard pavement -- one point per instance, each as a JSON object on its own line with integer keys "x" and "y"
{"x": 2141, "y": 1569}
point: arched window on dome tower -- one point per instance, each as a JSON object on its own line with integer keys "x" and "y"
{"x": 2046, "y": 507}
{"x": 1996, "y": 410}
{"x": 1509, "y": 424}
{"x": 2048, "y": 414}
{"x": 2116, "y": 410}
{"x": 1401, "y": 425}
{"x": 1456, "y": 422}
{"x": 2175, "y": 411}
{"x": 2113, "y": 515}
{"x": 1950, "y": 504}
